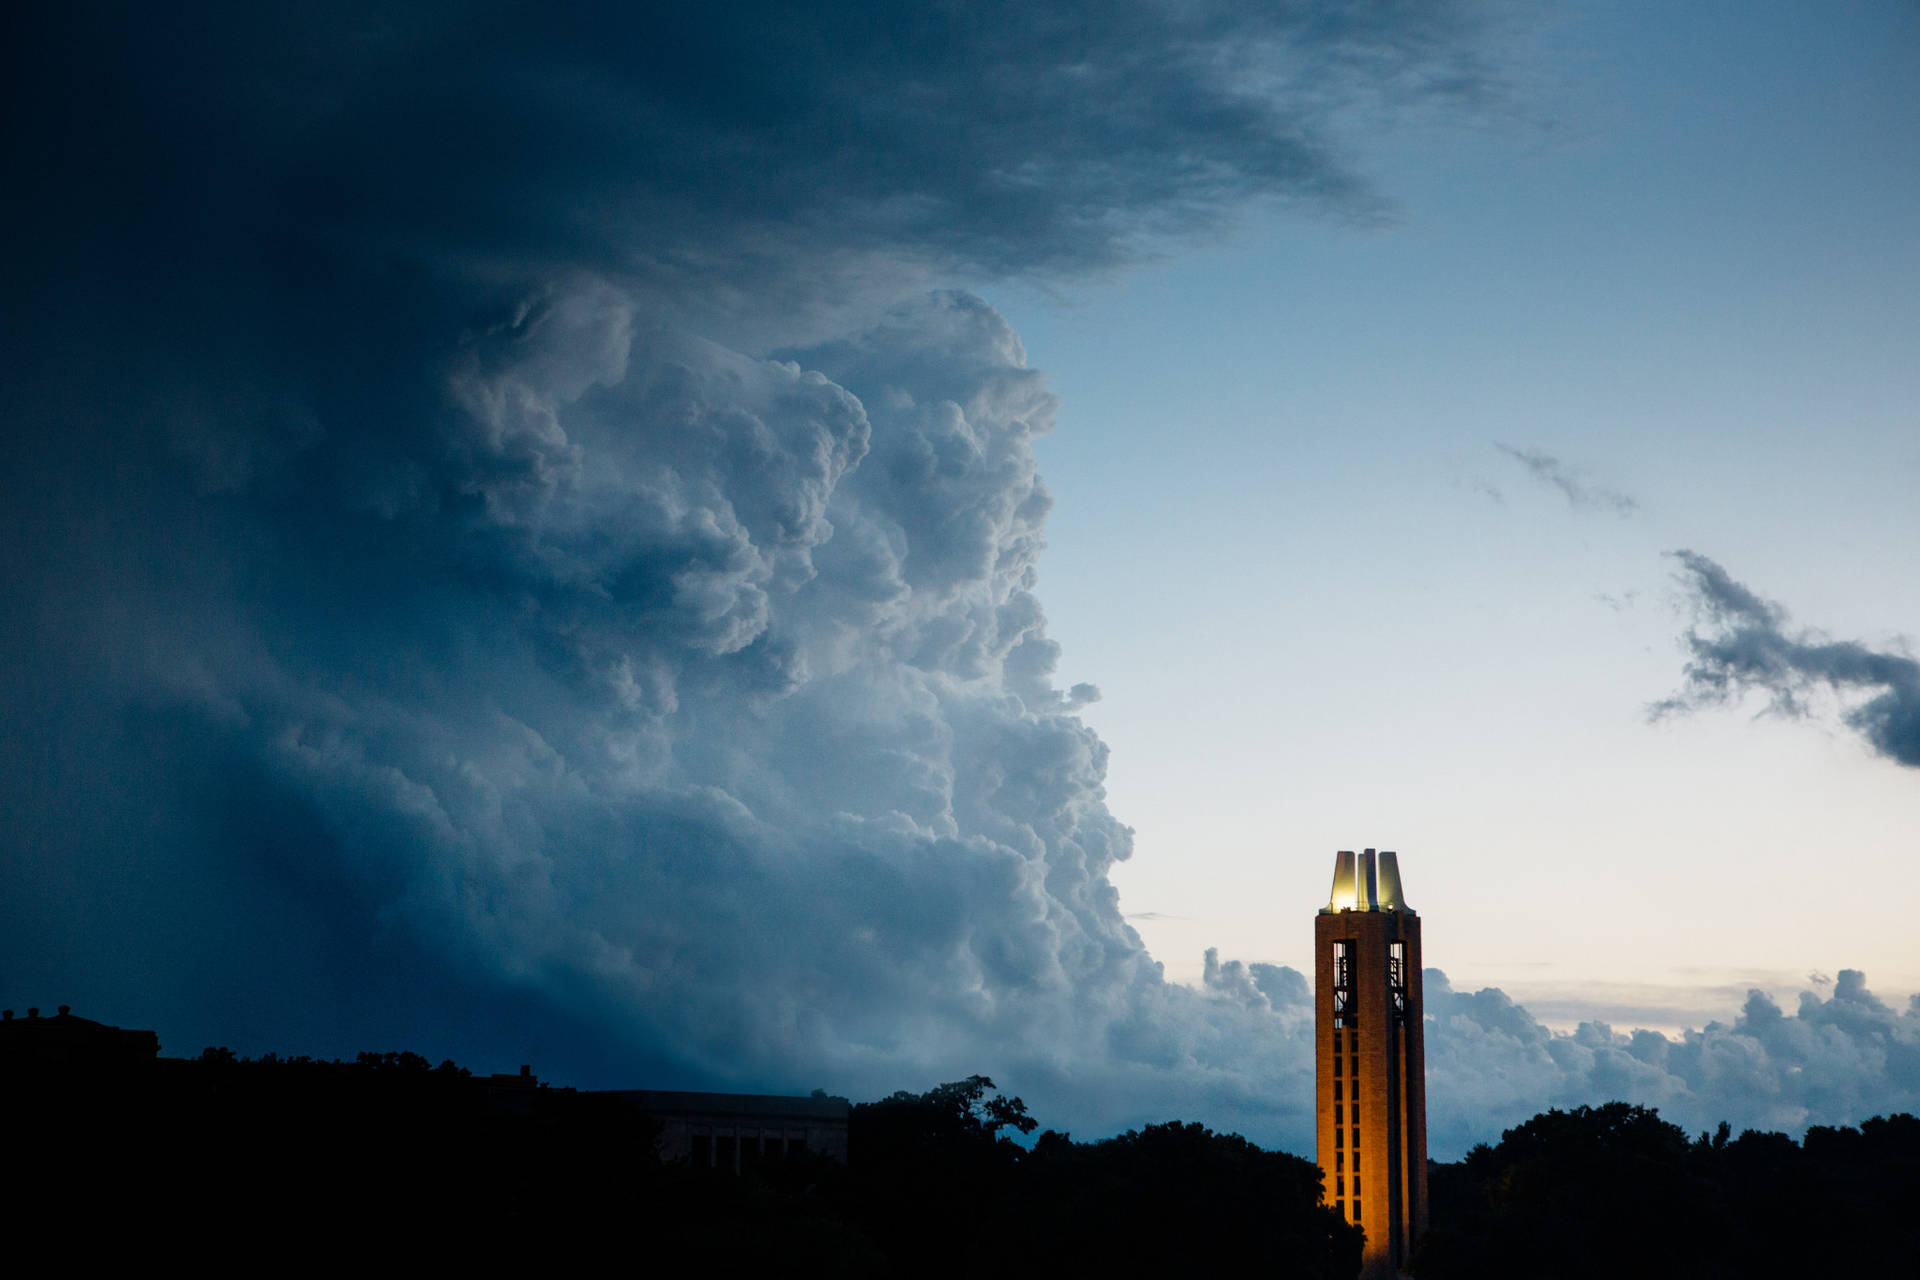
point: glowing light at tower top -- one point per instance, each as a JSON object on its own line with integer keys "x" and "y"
{"x": 1368, "y": 882}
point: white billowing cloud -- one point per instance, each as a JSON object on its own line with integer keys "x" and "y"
{"x": 706, "y": 696}
{"x": 1832, "y": 1061}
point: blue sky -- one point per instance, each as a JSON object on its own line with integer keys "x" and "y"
{"x": 1325, "y": 608}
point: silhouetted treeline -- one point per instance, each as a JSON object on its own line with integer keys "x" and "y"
{"x": 264, "y": 1161}
{"x": 230, "y": 1162}
{"x": 1616, "y": 1191}
{"x": 937, "y": 1187}
{"x": 942, "y": 1189}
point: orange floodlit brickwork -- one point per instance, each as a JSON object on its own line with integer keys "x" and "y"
{"x": 1369, "y": 1059}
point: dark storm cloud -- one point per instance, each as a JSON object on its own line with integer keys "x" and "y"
{"x": 693, "y": 145}
{"x": 1745, "y": 643}
{"x": 1579, "y": 493}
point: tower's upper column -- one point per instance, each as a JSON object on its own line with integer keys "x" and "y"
{"x": 1370, "y": 882}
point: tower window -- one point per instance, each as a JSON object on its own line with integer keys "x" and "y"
{"x": 1397, "y": 978}
{"x": 1342, "y": 986}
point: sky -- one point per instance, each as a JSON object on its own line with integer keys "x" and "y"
{"x": 789, "y": 547}
{"x": 1660, "y": 298}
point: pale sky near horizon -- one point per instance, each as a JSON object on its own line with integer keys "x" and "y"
{"x": 1327, "y": 610}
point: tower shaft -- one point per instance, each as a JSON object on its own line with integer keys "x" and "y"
{"x": 1370, "y": 1060}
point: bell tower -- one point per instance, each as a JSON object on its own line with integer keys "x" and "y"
{"x": 1370, "y": 1089}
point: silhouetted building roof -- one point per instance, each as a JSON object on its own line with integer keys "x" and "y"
{"x": 66, "y": 1041}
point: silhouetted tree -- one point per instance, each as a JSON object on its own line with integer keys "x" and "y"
{"x": 921, "y": 1161}
{"x": 1179, "y": 1199}
{"x": 944, "y": 1190}
{"x": 1615, "y": 1190}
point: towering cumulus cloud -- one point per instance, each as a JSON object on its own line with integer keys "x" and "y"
{"x": 517, "y": 545}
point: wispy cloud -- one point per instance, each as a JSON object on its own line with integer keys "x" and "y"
{"x": 1618, "y": 603}
{"x": 1580, "y": 494}
{"x": 1743, "y": 643}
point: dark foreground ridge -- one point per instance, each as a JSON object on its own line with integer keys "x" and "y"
{"x": 234, "y": 1162}
{"x": 128, "y": 1158}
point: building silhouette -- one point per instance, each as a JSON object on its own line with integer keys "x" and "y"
{"x": 71, "y": 1044}
{"x": 734, "y": 1132}
{"x": 1370, "y": 1095}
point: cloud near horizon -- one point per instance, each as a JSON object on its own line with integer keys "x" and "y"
{"x": 1833, "y": 1061}
{"x": 509, "y": 557}
{"x": 1491, "y": 1065}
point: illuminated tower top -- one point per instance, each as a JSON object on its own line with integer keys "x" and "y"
{"x": 1370, "y": 882}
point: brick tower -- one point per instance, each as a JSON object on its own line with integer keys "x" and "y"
{"x": 1370, "y": 1091}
